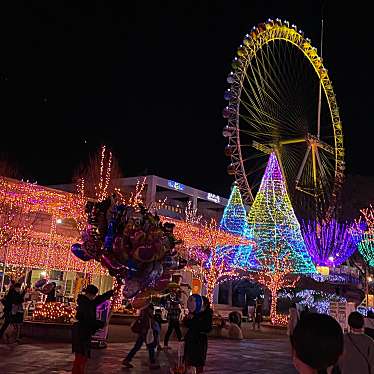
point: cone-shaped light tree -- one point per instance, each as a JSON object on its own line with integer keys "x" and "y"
{"x": 280, "y": 248}
{"x": 234, "y": 220}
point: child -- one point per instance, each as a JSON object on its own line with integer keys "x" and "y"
{"x": 86, "y": 326}
{"x": 141, "y": 326}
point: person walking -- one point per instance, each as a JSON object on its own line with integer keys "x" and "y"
{"x": 358, "y": 356}
{"x": 86, "y": 325}
{"x": 141, "y": 326}
{"x": 173, "y": 317}
{"x": 13, "y": 309}
{"x": 196, "y": 339}
{"x": 258, "y": 314}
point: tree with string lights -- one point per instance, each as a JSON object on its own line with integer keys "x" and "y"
{"x": 95, "y": 178}
{"x": 234, "y": 220}
{"x": 276, "y": 273}
{"x": 215, "y": 265}
{"x": 280, "y": 249}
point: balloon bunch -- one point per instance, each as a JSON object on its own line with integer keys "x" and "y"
{"x": 133, "y": 244}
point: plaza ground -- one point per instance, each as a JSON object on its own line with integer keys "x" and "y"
{"x": 256, "y": 355}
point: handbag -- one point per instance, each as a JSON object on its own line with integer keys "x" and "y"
{"x": 149, "y": 338}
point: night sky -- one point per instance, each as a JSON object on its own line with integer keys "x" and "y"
{"x": 147, "y": 78}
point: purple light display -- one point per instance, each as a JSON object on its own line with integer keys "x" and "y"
{"x": 329, "y": 244}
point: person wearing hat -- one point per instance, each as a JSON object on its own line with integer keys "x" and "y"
{"x": 86, "y": 325}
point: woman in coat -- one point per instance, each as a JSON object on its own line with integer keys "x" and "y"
{"x": 196, "y": 339}
{"x": 86, "y": 325}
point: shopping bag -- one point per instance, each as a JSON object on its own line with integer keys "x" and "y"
{"x": 149, "y": 339}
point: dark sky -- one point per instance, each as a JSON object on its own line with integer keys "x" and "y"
{"x": 147, "y": 78}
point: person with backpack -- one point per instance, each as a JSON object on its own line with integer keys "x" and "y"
{"x": 358, "y": 356}
{"x": 145, "y": 327}
{"x": 86, "y": 325}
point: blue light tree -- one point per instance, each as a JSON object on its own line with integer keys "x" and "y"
{"x": 234, "y": 220}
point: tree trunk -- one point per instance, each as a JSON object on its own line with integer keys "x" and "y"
{"x": 273, "y": 306}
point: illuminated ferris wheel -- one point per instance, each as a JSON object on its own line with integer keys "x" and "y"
{"x": 281, "y": 100}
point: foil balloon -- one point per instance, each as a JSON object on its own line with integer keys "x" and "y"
{"x": 40, "y": 283}
{"x": 80, "y": 251}
{"x": 131, "y": 288}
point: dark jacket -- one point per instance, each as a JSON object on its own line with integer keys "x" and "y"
{"x": 196, "y": 339}
{"x": 51, "y": 295}
{"x": 87, "y": 324}
{"x": 12, "y": 298}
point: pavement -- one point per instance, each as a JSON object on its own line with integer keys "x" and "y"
{"x": 270, "y": 355}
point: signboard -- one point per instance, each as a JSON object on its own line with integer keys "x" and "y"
{"x": 340, "y": 311}
{"x": 323, "y": 270}
{"x": 102, "y": 314}
{"x": 175, "y": 185}
{"x": 213, "y": 197}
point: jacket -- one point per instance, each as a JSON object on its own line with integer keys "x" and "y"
{"x": 86, "y": 312}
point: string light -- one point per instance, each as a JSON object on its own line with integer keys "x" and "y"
{"x": 366, "y": 247}
{"x": 363, "y": 234}
{"x": 273, "y": 224}
{"x": 118, "y": 296}
{"x": 275, "y": 274}
{"x": 329, "y": 244}
{"x": 53, "y": 312}
{"x": 215, "y": 264}
{"x": 234, "y": 220}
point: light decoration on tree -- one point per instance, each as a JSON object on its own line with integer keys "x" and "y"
{"x": 315, "y": 300}
{"x": 234, "y": 220}
{"x": 53, "y": 312}
{"x": 366, "y": 247}
{"x": 273, "y": 224}
{"x": 276, "y": 274}
{"x": 198, "y": 236}
{"x": 363, "y": 232}
{"x": 117, "y": 297}
{"x": 101, "y": 189}
{"x": 330, "y": 243}
{"x": 136, "y": 198}
{"x": 215, "y": 265}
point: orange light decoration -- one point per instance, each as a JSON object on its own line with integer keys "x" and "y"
{"x": 215, "y": 265}
{"x": 54, "y": 312}
{"x": 136, "y": 198}
{"x": 276, "y": 273}
{"x": 118, "y": 296}
{"x": 105, "y": 174}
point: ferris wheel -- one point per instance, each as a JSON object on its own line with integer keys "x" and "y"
{"x": 281, "y": 100}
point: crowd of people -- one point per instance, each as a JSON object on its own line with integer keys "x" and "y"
{"x": 318, "y": 343}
